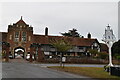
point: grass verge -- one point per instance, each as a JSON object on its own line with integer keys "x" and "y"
{"x": 93, "y": 72}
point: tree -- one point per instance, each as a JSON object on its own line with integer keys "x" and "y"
{"x": 62, "y": 46}
{"x": 72, "y": 33}
{"x": 93, "y": 52}
{"x": 116, "y": 48}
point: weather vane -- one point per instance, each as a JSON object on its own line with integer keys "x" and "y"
{"x": 109, "y": 39}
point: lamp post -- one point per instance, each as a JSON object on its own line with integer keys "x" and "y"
{"x": 109, "y": 39}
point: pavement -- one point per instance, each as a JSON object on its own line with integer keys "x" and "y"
{"x": 28, "y": 70}
{"x": 70, "y": 65}
{"x": 20, "y": 68}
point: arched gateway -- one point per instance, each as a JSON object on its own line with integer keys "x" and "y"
{"x": 19, "y": 52}
{"x": 20, "y": 37}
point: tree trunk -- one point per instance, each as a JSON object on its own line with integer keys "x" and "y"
{"x": 61, "y": 59}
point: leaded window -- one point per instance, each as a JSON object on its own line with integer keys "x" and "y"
{"x": 16, "y": 36}
{"x": 24, "y": 36}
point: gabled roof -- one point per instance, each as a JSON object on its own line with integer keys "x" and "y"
{"x": 21, "y": 22}
{"x": 73, "y": 40}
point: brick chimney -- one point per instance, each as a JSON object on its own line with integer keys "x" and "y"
{"x": 46, "y": 31}
{"x": 89, "y": 36}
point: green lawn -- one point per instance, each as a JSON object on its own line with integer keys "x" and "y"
{"x": 94, "y": 72}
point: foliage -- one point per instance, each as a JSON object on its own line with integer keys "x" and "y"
{"x": 62, "y": 45}
{"x": 93, "y": 52}
{"x": 103, "y": 55}
{"x": 116, "y": 48}
{"x": 72, "y": 33}
{"x": 118, "y": 57}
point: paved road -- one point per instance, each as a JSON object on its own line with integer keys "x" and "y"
{"x": 27, "y": 70}
{"x": 23, "y": 69}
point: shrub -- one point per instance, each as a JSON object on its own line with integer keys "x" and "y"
{"x": 103, "y": 55}
{"x": 93, "y": 52}
{"x": 118, "y": 57}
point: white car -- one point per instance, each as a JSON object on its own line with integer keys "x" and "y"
{"x": 28, "y": 57}
{"x": 10, "y": 56}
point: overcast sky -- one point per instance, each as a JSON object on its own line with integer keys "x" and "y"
{"x": 59, "y": 17}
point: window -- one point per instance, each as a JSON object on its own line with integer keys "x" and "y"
{"x": 28, "y": 48}
{"x": 10, "y": 37}
{"x": 20, "y": 26}
{"x": 80, "y": 47}
{"x": 16, "y": 36}
{"x": 29, "y": 38}
{"x": 24, "y": 36}
{"x": 95, "y": 44}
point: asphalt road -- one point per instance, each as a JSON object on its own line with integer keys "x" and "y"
{"x": 27, "y": 70}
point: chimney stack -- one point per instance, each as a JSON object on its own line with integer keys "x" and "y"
{"x": 89, "y": 35}
{"x": 46, "y": 31}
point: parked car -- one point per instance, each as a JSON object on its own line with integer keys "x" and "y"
{"x": 28, "y": 57}
{"x": 10, "y": 56}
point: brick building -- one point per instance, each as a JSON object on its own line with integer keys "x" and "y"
{"x": 20, "y": 37}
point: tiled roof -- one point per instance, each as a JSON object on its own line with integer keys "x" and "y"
{"x": 74, "y": 41}
{"x": 21, "y": 22}
{"x": 40, "y": 39}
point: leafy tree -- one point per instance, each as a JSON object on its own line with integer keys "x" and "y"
{"x": 117, "y": 56}
{"x": 116, "y": 48}
{"x": 72, "y": 33}
{"x": 62, "y": 45}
